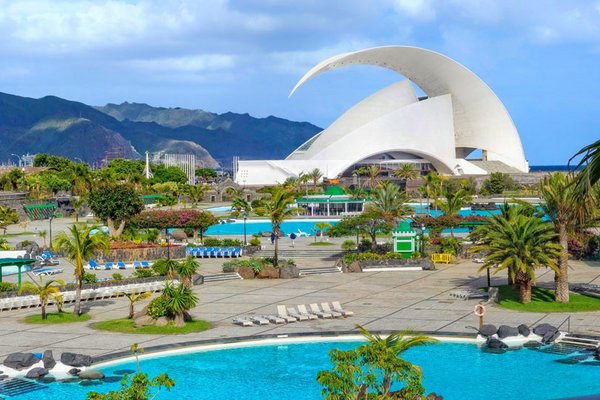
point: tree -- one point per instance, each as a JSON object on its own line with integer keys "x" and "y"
{"x": 520, "y": 245}
{"x": 389, "y": 202}
{"x": 321, "y": 226}
{"x": 304, "y": 179}
{"x": 80, "y": 247}
{"x": 359, "y": 172}
{"x": 115, "y": 204}
{"x": 186, "y": 270}
{"x": 372, "y": 369}
{"x": 133, "y": 298}
{"x": 164, "y": 174}
{"x": 498, "y": 182}
{"x": 206, "y": 173}
{"x": 239, "y": 206}
{"x": 406, "y": 173}
{"x": 179, "y": 299}
{"x": 368, "y": 223}
{"x": 8, "y": 216}
{"x": 453, "y": 203}
{"x": 590, "y": 168}
{"x": 165, "y": 266}
{"x": 567, "y": 210}
{"x": 278, "y": 208}
{"x": 45, "y": 291}
{"x": 78, "y": 206}
{"x": 373, "y": 179}
{"x": 43, "y": 235}
{"x": 316, "y": 175}
{"x": 196, "y": 192}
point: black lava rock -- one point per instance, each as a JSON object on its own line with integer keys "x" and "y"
{"x": 524, "y": 330}
{"x": 76, "y": 360}
{"x": 542, "y": 329}
{"x": 505, "y": 331}
{"x": 550, "y": 337}
{"x": 35, "y": 373}
{"x": 20, "y": 361}
{"x": 74, "y": 371}
{"x": 488, "y": 330}
{"x": 48, "y": 359}
{"x": 496, "y": 344}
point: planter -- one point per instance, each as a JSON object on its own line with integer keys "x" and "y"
{"x": 141, "y": 254}
{"x": 424, "y": 263}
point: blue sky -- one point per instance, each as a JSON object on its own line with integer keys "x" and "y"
{"x": 542, "y": 58}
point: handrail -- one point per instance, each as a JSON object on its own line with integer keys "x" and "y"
{"x": 568, "y": 321}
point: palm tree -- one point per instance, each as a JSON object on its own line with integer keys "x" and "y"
{"x": 389, "y": 202}
{"x": 316, "y": 176}
{"x": 406, "y": 173}
{"x": 78, "y": 205}
{"x": 186, "y": 270}
{"x": 391, "y": 346}
{"x": 133, "y": 298}
{"x": 43, "y": 235}
{"x": 521, "y": 245}
{"x": 179, "y": 299}
{"x": 433, "y": 187}
{"x": 304, "y": 179}
{"x": 373, "y": 172}
{"x": 567, "y": 210}
{"x": 590, "y": 164}
{"x": 8, "y": 216}
{"x": 166, "y": 266}
{"x": 358, "y": 172}
{"x": 44, "y": 290}
{"x": 79, "y": 247}
{"x": 321, "y": 226}
{"x": 453, "y": 203}
{"x": 239, "y": 206}
{"x": 196, "y": 192}
{"x": 278, "y": 208}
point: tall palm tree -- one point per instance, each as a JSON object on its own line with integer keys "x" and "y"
{"x": 239, "y": 206}
{"x": 406, "y": 173}
{"x": 196, "y": 192}
{"x": 321, "y": 226}
{"x": 567, "y": 210}
{"x": 389, "y": 202}
{"x": 45, "y": 291}
{"x": 79, "y": 247}
{"x": 304, "y": 179}
{"x": 521, "y": 245}
{"x": 166, "y": 266}
{"x": 316, "y": 175}
{"x": 432, "y": 185}
{"x": 373, "y": 179}
{"x": 43, "y": 234}
{"x": 186, "y": 270}
{"x": 392, "y": 345}
{"x": 133, "y": 298}
{"x": 590, "y": 164}
{"x": 453, "y": 203}
{"x": 359, "y": 172}
{"x": 278, "y": 208}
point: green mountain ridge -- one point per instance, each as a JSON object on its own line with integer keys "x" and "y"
{"x": 76, "y": 130}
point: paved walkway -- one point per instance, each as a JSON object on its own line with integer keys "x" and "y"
{"x": 416, "y": 300}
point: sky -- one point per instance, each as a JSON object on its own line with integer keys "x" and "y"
{"x": 541, "y": 57}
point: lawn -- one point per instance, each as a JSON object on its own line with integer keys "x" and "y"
{"x": 542, "y": 300}
{"x": 57, "y": 318}
{"x": 124, "y": 325}
{"x": 322, "y": 244}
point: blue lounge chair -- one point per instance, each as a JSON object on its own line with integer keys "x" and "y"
{"x": 121, "y": 265}
{"x": 137, "y": 265}
{"x": 108, "y": 265}
{"x": 219, "y": 252}
{"x": 145, "y": 264}
{"x": 93, "y": 265}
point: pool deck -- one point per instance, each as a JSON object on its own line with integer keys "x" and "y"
{"x": 417, "y": 300}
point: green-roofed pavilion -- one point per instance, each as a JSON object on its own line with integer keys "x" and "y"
{"x": 12, "y": 262}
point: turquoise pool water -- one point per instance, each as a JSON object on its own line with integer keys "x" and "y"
{"x": 456, "y": 371}
{"x": 262, "y": 225}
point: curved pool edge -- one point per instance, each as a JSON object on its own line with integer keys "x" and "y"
{"x": 197, "y": 346}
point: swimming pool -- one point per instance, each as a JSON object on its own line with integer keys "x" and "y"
{"x": 288, "y": 371}
{"x": 263, "y": 225}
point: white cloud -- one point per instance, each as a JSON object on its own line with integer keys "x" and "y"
{"x": 421, "y": 10}
{"x": 192, "y": 64}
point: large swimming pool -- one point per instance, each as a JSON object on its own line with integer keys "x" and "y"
{"x": 456, "y": 371}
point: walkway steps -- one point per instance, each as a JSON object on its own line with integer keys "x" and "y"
{"x": 222, "y": 277}
{"x": 319, "y": 271}
{"x": 580, "y": 341}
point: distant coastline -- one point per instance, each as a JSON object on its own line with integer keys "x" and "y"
{"x": 542, "y": 168}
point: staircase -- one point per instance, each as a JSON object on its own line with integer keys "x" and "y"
{"x": 319, "y": 271}
{"x": 222, "y": 277}
{"x": 12, "y": 387}
{"x": 324, "y": 254}
{"x": 580, "y": 341}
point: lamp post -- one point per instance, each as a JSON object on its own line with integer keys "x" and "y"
{"x": 245, "y": 218}
{"x": 423, "y": 241}
{"x": 50, "y": 226}
{"x": 168, "y": 247}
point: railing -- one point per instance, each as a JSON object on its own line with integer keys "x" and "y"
{"x": 568, "y": 322}
{"x": 441, "y": 258}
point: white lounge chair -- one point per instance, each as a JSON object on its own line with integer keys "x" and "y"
{"x": 326, "y": 308}
{"x": 300, "y": 317}
{"x": 314, "y": 308}
{"x": 273, "y": 319}
{"x": 242, "y": 322}
{"x": 259, "y": 320}
{"x": 282, "y": 313}
{"x": 303, "y": 311}
{"x": 338, "y": 307}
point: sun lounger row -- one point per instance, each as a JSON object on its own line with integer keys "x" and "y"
{"x": 214, "y": 252}
{"x": 86, "y": 294}
{"x": 468, "y": 294}
{"x": 93, "y": 265}
{"x": 293, "y": 314}
{"x": 47, "y": 271}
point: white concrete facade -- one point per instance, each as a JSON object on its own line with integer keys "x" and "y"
{"x": 461, "y": 114}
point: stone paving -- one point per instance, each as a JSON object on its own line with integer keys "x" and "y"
{"x": 416, "y": 300}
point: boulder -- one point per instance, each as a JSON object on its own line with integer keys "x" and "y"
{"x": 523, "y": 330}
{"x": 246, "y": 272}
{"x": 496, "y": 344}
{"x": 178, "y": 234}
{"x": 427, "y": 264}
{"x": 532, "y": 344}
{"x": 20, "y": 361}
{"x": 433, "y": 396}
{"x": 48, "y": 359}
{"x": 91, "y": 374}
{"x": 141, "y": 313}
{"x": 37, "y": 372}
{"x": 143, "y": 321}
{"x": 289, "y": 272}
{"x": 542, "y": 329}
{"x": 550, "y": 337}
{"x": 488, "y": 330}
{"x": 268, "y": 272}
{"x": 74, "y": 371}
{"x": 75, "y": 359}
{"x": 354, "y": 267}
{"x": 505, "y": 331}
{"x": 162, "y": 321}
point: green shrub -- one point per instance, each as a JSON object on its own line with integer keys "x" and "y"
{"x": 415, "y": 254}
{"x": 365, "y": 245}
{"x": 88, "y": 277}
{"x": 8, "y": 287}
{"x": 349, "y": 258}
{"x": 256, "y": 265}
{"x": 449, "y": 245}
{"x": 348, "y": 245}
{"x": 368, "y": 256}
{"x": 254, "y": 241}
{"x": 117, "y": 276}
{"x": 231, "y": 243}
{"x": 157, "y": 307}
{"x": 143, "y": 273}
{"x": 391, "y": 255}
{"x": 229, "y": 266}
{"x": 212, "y": 242}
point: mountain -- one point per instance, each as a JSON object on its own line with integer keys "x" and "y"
{"x": 223, "y": 135}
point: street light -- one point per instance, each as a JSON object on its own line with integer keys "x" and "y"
{"x": 245, "y": 218}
